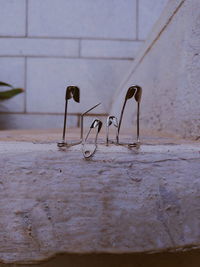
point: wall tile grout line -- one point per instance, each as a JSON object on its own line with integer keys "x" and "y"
{"x": 25, "y": 84}
{"x": 70, "y": 38}
{"x": 107, "y": 58}
{"x": 53, "y": 113}
{"x": 26, "y": 25}
{"x": 67, "y": 57}
{"x": 79, "y": 48}
{"x": 137, "y": 19}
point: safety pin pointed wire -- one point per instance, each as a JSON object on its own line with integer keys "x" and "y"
{"x": 72, "y": 92}
{"x": 136, "y": 92}
{"x": 87, "y": 153}
{"x": 111, "y": 120}
{"x": 138, "y": 97}
{"x": 83, "y": 114}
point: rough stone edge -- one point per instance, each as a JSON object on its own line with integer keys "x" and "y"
{"x": 21, "y": 147}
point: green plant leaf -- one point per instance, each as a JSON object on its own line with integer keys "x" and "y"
{"x": 5, "y": 84}
{"x": 10, "y": 93}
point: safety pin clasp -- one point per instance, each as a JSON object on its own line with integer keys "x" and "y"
{"x": 111, "y": 120}
{"x": 88, "y": 152}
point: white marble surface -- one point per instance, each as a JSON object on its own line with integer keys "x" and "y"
{"x": 77, "y": 18}
{"x": 148, "y": 15}
{"x": 12, "y": 18}
{"x": 39, "y": 47}
{"x": 110, "y": 49}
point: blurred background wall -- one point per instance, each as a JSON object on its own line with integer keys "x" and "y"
{"x": 46, "y": 45}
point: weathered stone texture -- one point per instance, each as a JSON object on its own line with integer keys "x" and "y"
{"x": 120, "y": 201}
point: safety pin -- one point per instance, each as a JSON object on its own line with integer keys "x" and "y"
{"x": 136, "y": 92}
{"x": 138, "y": 97}
{"x": 87, "y": 153}
{"x": 111, "y": 120}
{"x": 74, "y": 93}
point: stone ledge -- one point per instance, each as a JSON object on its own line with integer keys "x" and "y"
{"x": 124, "y": 201}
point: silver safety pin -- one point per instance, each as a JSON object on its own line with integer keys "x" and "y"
{"x": 111, "y": 120}
{"x": 87, "y": 153}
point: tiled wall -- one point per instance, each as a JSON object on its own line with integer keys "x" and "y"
{"x": 48, "y": 44}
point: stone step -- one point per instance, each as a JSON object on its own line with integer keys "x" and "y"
{"x": 120, "y": 201}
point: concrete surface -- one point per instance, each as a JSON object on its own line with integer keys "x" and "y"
{"x": 120, "y": 201}
{"x": 168, "y": 69}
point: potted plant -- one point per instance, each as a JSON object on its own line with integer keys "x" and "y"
{"x": 4, "y": 95}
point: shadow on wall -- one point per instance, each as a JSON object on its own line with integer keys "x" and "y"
{"x": 179, "y": 259}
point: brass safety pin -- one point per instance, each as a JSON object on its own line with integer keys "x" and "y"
{"x": 74, "y": 93}
{"x": 136, "y": 92}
